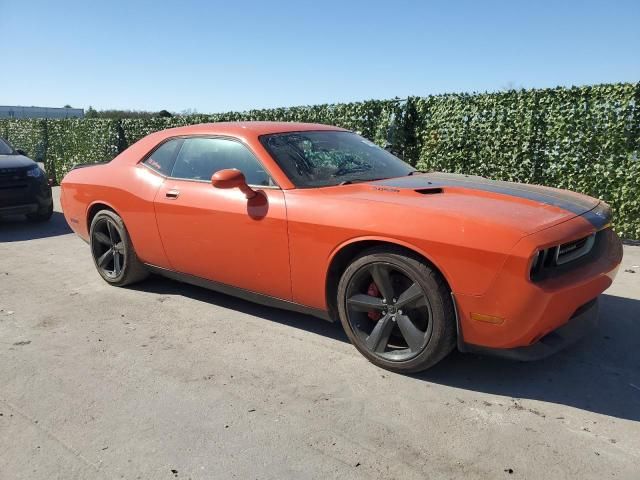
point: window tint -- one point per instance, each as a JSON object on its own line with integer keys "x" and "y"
{"x": 200, "y": 158}
{"x": 5, "y": 148}
{"x": 163, "y": 157}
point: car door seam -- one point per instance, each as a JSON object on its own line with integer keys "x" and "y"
{"x": 286, "y": 219}
{"x": 155, "y": 214}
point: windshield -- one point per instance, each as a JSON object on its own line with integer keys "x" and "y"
{"x": 5, "y": 148}
{"x": 325, "y": 158}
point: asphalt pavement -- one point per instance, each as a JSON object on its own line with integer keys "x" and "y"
{"x": 165, "y": 380}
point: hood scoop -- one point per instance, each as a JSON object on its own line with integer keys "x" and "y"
{"x": 429, "y": 190}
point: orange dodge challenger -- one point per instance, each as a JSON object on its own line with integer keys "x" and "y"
{"x": 317, "y": 219}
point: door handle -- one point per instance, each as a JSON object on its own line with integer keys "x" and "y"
{"x": 172, "y": 194}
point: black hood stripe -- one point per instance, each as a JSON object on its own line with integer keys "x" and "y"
{"x": 556, "y": 198}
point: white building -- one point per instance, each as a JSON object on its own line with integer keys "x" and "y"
{"x": 39, "y": 112}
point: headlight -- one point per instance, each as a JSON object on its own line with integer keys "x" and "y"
{"x": 545, "y": 261}
{"x": 35, "y": 172}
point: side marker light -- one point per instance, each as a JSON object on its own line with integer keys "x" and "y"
{"x": 481, "y": 317}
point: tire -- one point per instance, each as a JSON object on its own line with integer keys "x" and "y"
{"x": 112, "y": 251}
{"x": 418, "y": 337}
{"x": 42, "y": 215}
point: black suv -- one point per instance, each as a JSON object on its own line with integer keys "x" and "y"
{"x": 24, "y": 187}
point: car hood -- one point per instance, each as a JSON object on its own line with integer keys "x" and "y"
{"x": 526, "y": 208}
{"x": 15, "y": 161}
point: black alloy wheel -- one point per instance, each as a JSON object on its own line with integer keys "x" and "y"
{"x": 108, "y": 248}
{"x": 112, "y": 250}
{"x": 397, "y": 309}
{"x": 395, "y": 322}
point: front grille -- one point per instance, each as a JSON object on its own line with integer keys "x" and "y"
{"x": 566, "y": 256}
{"x": 13, "y": 173}
{"x": 13, "y": 177}
{"x": 16, "y": 188}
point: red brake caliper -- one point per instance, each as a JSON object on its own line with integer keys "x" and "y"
{"x": 374, "y": 292}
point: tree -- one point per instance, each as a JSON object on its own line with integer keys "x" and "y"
{"x": 164, "y": 114}
{"x": 68, "y": 106}
{"x": 91, "y": 113}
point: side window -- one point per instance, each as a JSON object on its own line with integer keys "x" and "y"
{"x": 200, "y": 158}
{"x": 161, "y": 160}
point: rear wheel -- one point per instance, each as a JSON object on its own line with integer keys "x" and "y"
{"x": 112, "y": 250}
{"x": 396, "y": 310}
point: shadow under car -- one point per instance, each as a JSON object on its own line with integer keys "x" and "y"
{"x": 18, "y": 228}
{"x": 601, "y": 373}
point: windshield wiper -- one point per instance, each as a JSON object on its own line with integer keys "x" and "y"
{"x": 346, "y": 171}
{"x": 361, "y": 180}
{"x": 413, "y": 172}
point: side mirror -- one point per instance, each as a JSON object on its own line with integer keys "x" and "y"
{"x": 232, "y": 178}
{"x": 21, "y": 152}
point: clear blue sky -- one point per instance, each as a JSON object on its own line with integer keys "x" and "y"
{"x": 216, "y": 56}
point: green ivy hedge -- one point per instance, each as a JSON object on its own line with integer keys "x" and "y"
{"x": 585, "y": 139}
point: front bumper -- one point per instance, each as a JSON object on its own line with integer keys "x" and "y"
{"x": 583, "y": 321}
{"x": 24, "y": 209}
{"x": 526, "y": 311}
{"x": 25, "y": 196}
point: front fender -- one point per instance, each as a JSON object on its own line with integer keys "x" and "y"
{"x": 364, "y": 239}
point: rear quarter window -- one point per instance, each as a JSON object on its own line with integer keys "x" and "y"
{"x": 163, "y": 157}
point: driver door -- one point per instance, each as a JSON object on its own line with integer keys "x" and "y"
{"x": 218, "y": 234}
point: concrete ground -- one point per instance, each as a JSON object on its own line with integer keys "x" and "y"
{"x": 166, "y": 380}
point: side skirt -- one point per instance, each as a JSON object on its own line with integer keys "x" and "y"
{"x": 240, "y": 292}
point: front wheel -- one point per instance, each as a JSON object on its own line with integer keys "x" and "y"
{"x": 112, "y": 250}
{"x": 396, "y": 310}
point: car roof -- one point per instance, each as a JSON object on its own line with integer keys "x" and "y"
{"x": 253, "y": 128}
